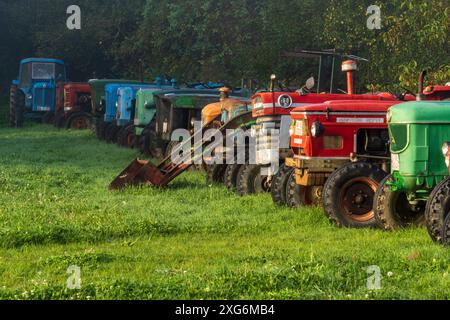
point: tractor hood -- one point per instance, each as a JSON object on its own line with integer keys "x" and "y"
{"x": 420, "y": 112}
{"x": 43, "y": 95}
{"x": 346, "y": 106}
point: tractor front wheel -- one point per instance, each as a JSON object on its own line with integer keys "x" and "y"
{"x": 79, "y": 122}
{"x": 47, "y": 118}
{"x": 251, "y": 181}
{"x": 151, "y": 144}
{"x": 437, "y": 212}
{"x": 299, "y": 196}
{"x": 349, "y": 192}
{"x": 111, "y": 133}
{"x": 59, "y": 120}
{"x": 279, "y": 184}
{"x": 215, "y": 173}
{"x": 100, "y": 129}
{"x": 393, "y": 210}
{"x": 126, "y": 137}
{"x": 230, "y": 176}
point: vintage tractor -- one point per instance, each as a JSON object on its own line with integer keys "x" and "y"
{"x": 73, "y": 107}
{"x": 144, "y": 112}
{"x": 215, "y": 115}
{"x": 120, "y": 98}
{"x": 272, "y": 112}
{"x": 417, "y": 132}
{"x": 178, "y": 109}
{"x": 33, "y": 93}
{"x": 99, "y": 103}
{"x": 358, "y": 193}
{"x": 127, "y": 109}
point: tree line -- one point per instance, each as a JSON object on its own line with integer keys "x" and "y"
{"x": 228, "y": 40}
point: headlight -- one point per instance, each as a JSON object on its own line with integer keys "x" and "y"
{"x": 257, "y": 103}
{"x": 192, "y": 122}
{"x": 395, "y": 162}
{"x": 317, "y": 129}
{"x": 445, "y": 149}
{"x": 29, "y": 96}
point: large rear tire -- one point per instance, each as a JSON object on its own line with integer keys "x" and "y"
{"x": 16, "y": 107}
{"x": 437, "y": 212}
{"x": 392, "y": 209}
{"x": 250, "y": 180}
{"x": 279, "y": 184}
{"x": 349, "y": 192}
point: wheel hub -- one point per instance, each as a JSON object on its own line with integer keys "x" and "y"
{"x": 356, "y": 198}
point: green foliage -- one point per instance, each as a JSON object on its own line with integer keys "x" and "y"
{"x": 414, "y": 36}
{"x": 229, "y": 40}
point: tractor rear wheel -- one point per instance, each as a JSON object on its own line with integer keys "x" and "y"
{"x": 349, "y": 192}
{"x": 12, "y": 106}
{"x": 230, "y": 176}
{"x": 79, "y": 122}
{"x": 100, "y": 129}
{"x": 111, "y": 133}
{"x": 16, "y": 107}
{"x": 299, "y": 196}
{"x": 437, "y": 212}
{"x": 126, "y": 137}
{"x": 250, "y": 180}
{"x": 279, "y": 184}
{"x": 393, "y": 210}
{"x": 215, "y": 173}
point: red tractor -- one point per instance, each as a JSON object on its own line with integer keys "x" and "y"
{"x": 272, "y": 110}
{"x": 341, "y": 154}
{"x": 73, "y": 103}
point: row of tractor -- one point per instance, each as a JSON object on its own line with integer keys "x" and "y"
{"x": 376, "y": 159}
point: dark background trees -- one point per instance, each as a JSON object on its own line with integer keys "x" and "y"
{"x": 227, "y": 40}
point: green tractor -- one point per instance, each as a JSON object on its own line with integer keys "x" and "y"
{"x": 175, "y": 109}
{"x": 98, "y": 101}
{"x": 417, "y": 131}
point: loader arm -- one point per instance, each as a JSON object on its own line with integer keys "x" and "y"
{"x": 144, "y": 172}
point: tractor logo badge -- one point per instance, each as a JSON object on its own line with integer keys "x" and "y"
{"x": 285, "y": 101}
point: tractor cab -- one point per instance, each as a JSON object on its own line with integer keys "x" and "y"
{"x": 33, "y": 93}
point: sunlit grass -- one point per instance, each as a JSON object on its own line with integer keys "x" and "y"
{"x": 189, "y": 240}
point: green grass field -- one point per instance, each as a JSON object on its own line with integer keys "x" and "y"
{"x": 189, "y": 241}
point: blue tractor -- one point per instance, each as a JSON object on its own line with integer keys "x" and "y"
{"x": 33, "y": 93}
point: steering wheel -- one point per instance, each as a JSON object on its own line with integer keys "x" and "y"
{"x": 283, "y": 87}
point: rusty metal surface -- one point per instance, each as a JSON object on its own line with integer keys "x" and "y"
{"x": 144, "y": 172}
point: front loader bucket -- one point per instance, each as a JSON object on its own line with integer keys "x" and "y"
{"x": 142, "y": 172}
{"x": 128, "y": 176}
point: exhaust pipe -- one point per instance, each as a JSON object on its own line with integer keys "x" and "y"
{"x": 420, "y": 96}
{"x": 349, "y": 66}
